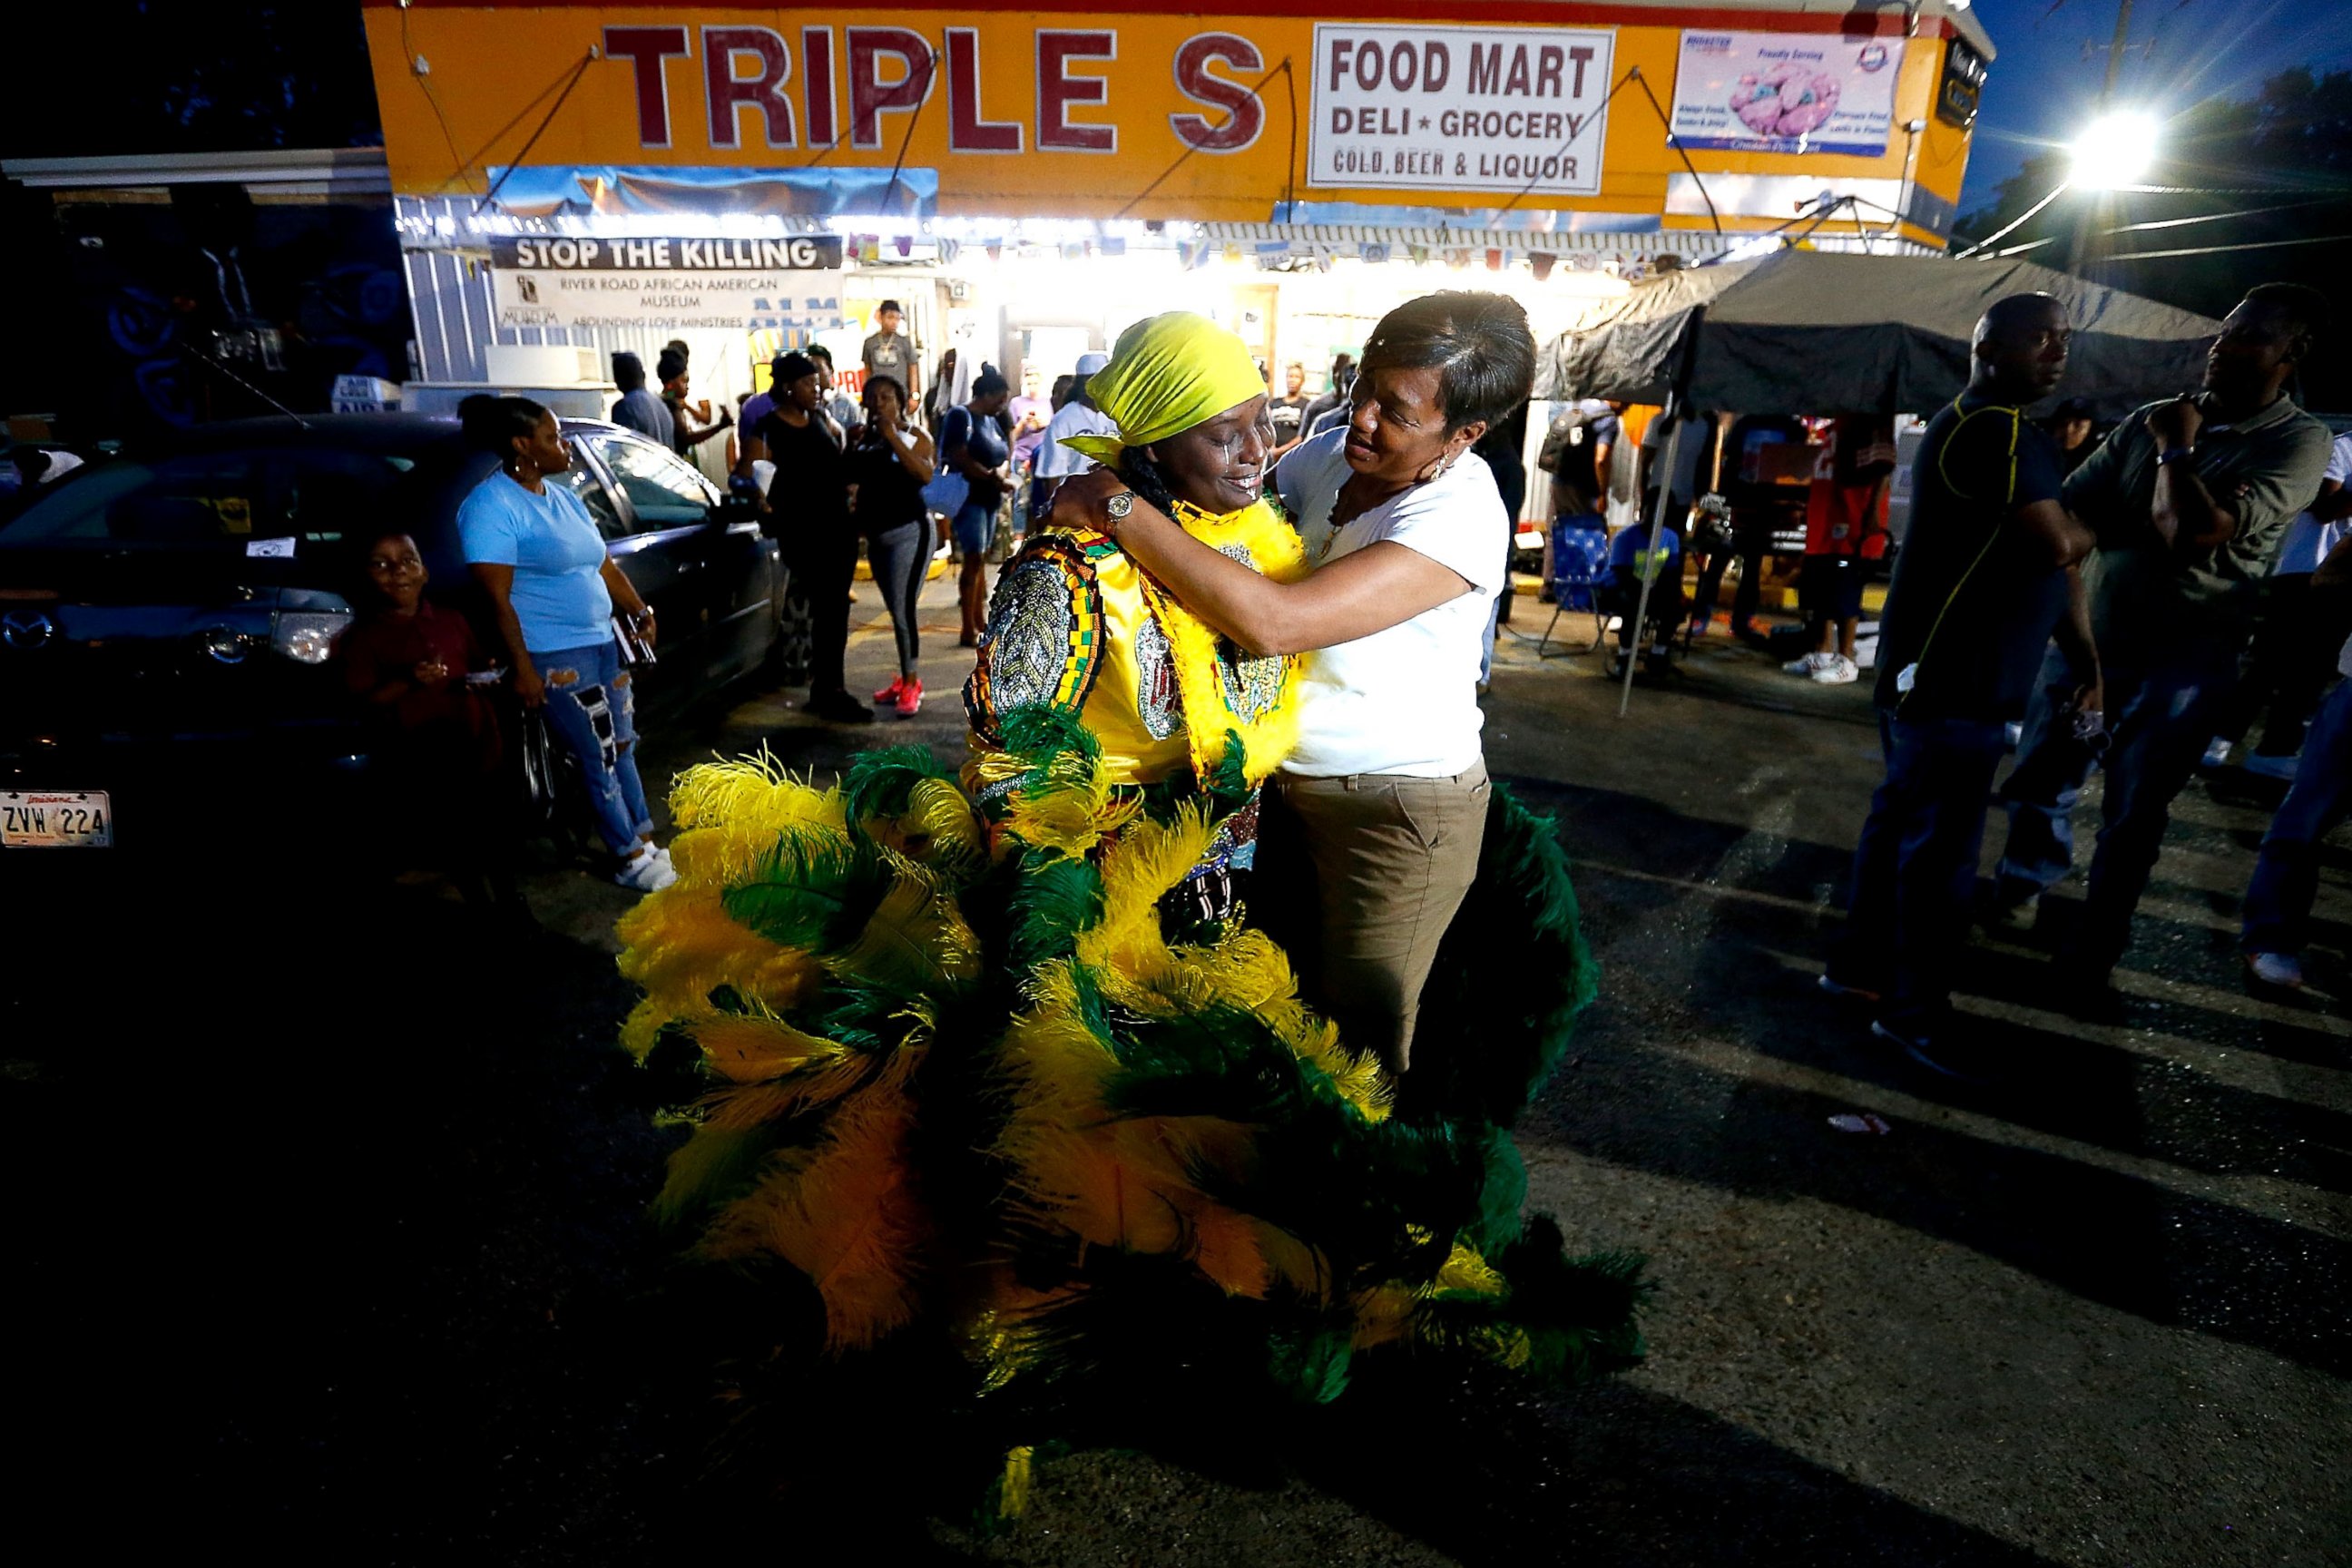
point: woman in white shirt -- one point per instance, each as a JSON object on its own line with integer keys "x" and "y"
{"x": 1387, "y": 788}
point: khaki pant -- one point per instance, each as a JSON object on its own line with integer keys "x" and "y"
{"x": 1393, "y": 856}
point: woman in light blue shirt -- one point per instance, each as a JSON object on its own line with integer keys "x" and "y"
{"x": 537, "y": 554}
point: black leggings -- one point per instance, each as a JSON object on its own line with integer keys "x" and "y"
{"x": 899, "y": 557}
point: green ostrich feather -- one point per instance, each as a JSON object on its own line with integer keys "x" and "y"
{"x": 877, "y": 782}
{"x": 1562, "y": 1320}
{"x": 1054, "y": 898}
{"x": 812, "y": 892}
{"x": 1041, "y": 734}
{"x": 1510, "y": 977}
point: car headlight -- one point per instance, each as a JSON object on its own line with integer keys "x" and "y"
{"x": 307, "y": 636}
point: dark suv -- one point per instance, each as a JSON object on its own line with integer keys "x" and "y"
{"x": 165, "y": 620}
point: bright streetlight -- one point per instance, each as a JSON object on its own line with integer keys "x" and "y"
{"x": 2115, "y": 151}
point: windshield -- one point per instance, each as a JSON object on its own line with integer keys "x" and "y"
{"x": 315, "y": 496}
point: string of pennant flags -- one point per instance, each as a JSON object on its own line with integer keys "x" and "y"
{"x": 1271, "y": 254}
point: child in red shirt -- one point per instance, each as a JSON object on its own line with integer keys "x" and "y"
{"x": 439, "y": 748}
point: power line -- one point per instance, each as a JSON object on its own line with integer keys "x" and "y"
{"x": 1283, "y": 71}
{"x": 524, "y": 156}
{"x": 1595, "y": 118}
{"x": 2012, "y": 227}
{"x": 408, "y": 58}
{"x": 922, "y": 97}
{"x": 2216, "y": 218}
{"x": 2234, "y": 190}
{"x": 2225, "y": 249}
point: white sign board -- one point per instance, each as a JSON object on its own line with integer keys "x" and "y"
{"x": 1786, "y": 92}
{"x": 1451, "y": 109}
{"x": 744, "y": 300}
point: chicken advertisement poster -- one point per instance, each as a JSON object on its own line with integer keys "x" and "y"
{"x": 1782, "y": 92}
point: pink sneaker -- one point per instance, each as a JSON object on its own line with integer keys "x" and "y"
{"x": 891, "y": 692}
{"x": 911, "y": 697}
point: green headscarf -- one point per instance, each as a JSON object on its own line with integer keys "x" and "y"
{"x": 1166, "y": 374}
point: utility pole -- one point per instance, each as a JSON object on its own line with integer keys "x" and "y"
{"x": 2116, "y": 55}
{"x": 2094, "y": 208}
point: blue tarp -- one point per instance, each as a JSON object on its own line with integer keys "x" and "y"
{"x": 647, "y": 190}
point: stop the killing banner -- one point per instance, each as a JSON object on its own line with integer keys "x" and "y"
{"x": 668, "y": 284}
{"x": 1786, "y": 92}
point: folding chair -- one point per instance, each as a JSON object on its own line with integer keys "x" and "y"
{"x": 1580, "y": 569}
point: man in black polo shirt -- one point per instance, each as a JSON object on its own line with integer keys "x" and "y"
{"x": 2189, "y": 498}
{"x": 1986, "y": 577}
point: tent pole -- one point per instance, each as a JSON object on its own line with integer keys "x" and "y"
{"x": 1674, "y": 411}
{"x": 1677, "y": 398}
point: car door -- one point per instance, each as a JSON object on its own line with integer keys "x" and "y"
{"x": 641, "y": 534}
{"x": 682, "y": 515}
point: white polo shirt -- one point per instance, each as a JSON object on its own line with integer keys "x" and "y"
{"x": 1402, "y": 701}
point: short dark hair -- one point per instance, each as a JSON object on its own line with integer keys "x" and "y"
{"x": 891, "y": 305}
{"x": 1479, "y": 345}
{"x": 628, "y": 370}
{"x": 2300, "y": 303}
{"x": 818, "y": 351}
{"x": 494, "y": 424}
{"x": 989, "y": 381}
{"x": 866, "y": 393}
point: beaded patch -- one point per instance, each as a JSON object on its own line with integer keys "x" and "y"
{"x": 1044, "y": 636}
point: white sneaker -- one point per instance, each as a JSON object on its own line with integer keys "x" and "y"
{"x": 648, "y": 871}
{"x": 2261, "y": 764}
{"x": 1836, "y": 670}
{"x": 1805, "y": 666}
{"x": 2218, "y": 753}
{"x": 2279, "y": 969}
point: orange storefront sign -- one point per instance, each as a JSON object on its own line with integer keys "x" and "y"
{"x": 1043, "y": 111}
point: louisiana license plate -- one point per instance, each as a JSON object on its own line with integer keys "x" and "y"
{"x": 55, "y": 819}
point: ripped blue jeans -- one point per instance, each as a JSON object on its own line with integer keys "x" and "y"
{"x": 590, "y": 713}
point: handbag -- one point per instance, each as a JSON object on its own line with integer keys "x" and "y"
{"x": 945, "y": 492}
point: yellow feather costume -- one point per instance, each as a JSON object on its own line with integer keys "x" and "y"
{"x": 970, "y": 1063}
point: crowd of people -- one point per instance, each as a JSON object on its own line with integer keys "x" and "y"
{"x": 1235, "y": 651}
{"x": 2108, "y": 610}
{"x": 2137, "y": 599}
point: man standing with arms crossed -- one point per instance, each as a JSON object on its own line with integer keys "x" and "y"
{"x": 1987, "y": 576}
{"x": 2188, "y": 500}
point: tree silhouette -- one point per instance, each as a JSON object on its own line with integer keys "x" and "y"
{"x": 181, "y": 78}
{"x": 2274, "y": 174}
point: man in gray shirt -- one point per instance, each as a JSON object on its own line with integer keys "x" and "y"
{"x": 639, "y": 409}
{"x": 2189, "y": 498}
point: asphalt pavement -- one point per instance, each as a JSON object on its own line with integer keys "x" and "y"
{"x": 328, "y": 1247}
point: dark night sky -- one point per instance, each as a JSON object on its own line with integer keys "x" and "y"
{"x": 2045, "y": 84}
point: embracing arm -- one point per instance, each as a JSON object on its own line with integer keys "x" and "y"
{"x": 1377, "y": 587}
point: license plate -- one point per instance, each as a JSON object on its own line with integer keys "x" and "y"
{"x": 55, "y": 819}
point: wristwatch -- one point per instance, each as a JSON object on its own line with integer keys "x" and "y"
{"x": 1119, "y": 506}
{"x": 2177, "y": 455}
